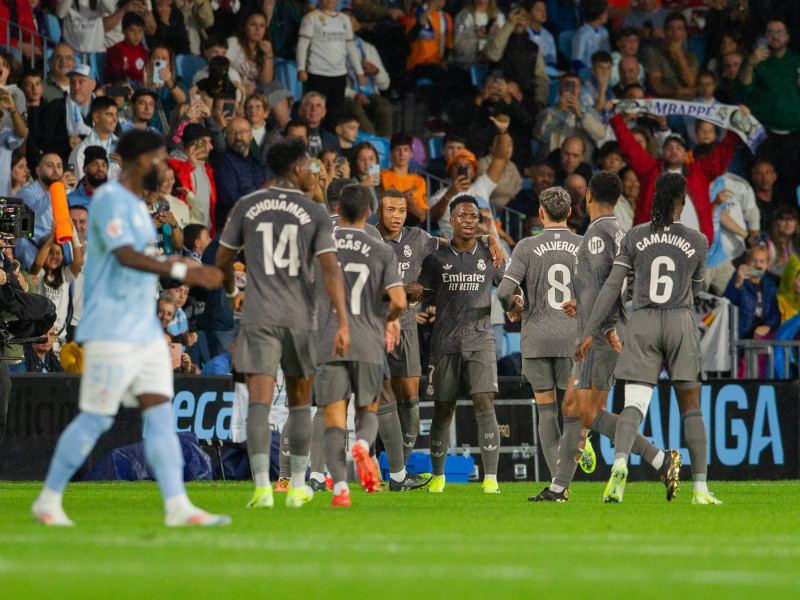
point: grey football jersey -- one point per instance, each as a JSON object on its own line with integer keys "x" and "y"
{"x": 461, "y": 283}
{"x": 411, "y": 246}
{"x": 593, "y": 263}
{"x": 664, "y": 264}
{"x": 370, "y": 229}
{"x": 282, "y": 232}
{"x": 542, "y": 266}
{"x": 369, "y": 268}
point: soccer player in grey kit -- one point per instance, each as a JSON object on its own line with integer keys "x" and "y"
{"x": 542, "y": 268}
{"x": 668, "y": 260}
{"x": 586, "y": 397}
{"x": 370, "y": 269}
{"x": 460, "y": 276}
{"x": 283, "y": 234}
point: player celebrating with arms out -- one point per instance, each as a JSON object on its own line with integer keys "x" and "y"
{"x": 460, "y": 276}
{"x": 411, "y": 245}
{"x": 668, "y": 261}
{"x": 370, "y": 268}
{"x": 542, "y": 267}
{"x": 282, "y": 232}
{"x": 125, "y": 352}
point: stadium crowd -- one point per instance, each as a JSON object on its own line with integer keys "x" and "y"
{"x": 397, "y": 96}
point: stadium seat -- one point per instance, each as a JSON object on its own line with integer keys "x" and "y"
{"x": 534, "y": 147}
{"x": 697, "y": 44}
{"x": 552, "y": 92}
{"x": 584, "y": 73}
{"x": 381, "y": 145}
{"x": 478, "y": 73}
{"x": 97, "y": 61}
{"x": 424, "y": 82}
{"x": 187, "y": 65}
{"x": 435, "y": 146}
{"x": 565, "y": 43}
{"x": 286, "y": 73}
{"x": 52, "y": 27}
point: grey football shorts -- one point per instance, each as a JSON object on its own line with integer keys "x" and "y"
{"x": 656, "y": 337}
{"x": 474, "y": 372}
{"x": 260, "y": 349}
{"x": 547, "y": 373}
{"x": 597, "y": 367}
{"x": 404, "y": 359}
{"x": 336, "y": 380}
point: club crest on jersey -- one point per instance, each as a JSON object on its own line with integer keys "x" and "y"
{"x": 482, "y": 264}
{"x": 114, "y": 228}
{"x": 596, "y": 245}
{"x": 447, "y": 267}
{"x": 407, "y": 251}
{"x": 429, "y": 389}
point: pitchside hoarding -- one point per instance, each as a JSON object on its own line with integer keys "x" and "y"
{"x": 754, "y": 426}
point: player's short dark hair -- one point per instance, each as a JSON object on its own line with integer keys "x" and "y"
{"x": 606, "y": 187}
{"x": 132, "y": 19}
{"x": 192, "y": 233}
{"x": 592, "y": 9}
{"x": 132, "y": 144}
{"x": 333, "y": 194}
{"x": 391, "y": 193}
{"x": 461, "y": 199}
{"x": 602, "y": 57}
{"x": 675, "y": 17}
{"x": 556, "y": 203}
{"x": 670, "y": 187}
{"x": 354, "y": 203}
{"x": 285, "y": 154}
{"x": 401, "y": 138}
{"x": 102, "y": 103}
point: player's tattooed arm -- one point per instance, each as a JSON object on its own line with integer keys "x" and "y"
{"x": 605, "y": 302}
{"x": 334, "y": 286}
{"x": 206, "y": 277}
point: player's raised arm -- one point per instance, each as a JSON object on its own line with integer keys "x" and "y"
{"x": 334, "y": 286}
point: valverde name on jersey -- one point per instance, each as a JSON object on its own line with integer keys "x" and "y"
{"x": 666, "y": 238}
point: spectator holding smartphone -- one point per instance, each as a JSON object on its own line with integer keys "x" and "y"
{"x": 755, "y": 295}
{"x": 195, "y": 176}
{"x": 170, "y": 236}
{"x": 161, "y": 76}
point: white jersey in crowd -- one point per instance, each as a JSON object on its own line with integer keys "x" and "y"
{"x": 481, "y": 188}
{"x": 325, "y": 42}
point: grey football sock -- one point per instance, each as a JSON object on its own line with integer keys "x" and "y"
{"x": 605, "y": 423}
{"x": 409, "y": 421}
{"x": 317, "y": 458}
{"x": 549, "y": 434}
{"x": 694, "y": 430}
{"x": 440, "y": 442}
{"x": 489, "y": 440}
{"x": 334, "y": 438}
{"x": 284, "y": 464}
{"x": 627, "y": 427}
{"x": 568, "y": 449}
{"x": 366, "y": 426}
{"x": 298, "y": 430}
{"x": 259, "y": 439}
{"x": 392, "y": 436}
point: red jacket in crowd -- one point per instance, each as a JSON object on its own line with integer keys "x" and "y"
{"x": 699, "y": 175}
{"x": 24, "y": 19}
{"x": 130, "y": 60}
{"x": 183, "y": 170}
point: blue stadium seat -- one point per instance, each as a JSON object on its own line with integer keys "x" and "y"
{"x": 97, "y": 61}
{"x": 187, "y": 65}
{"x": 435, "y": 146}
{"x": 382, "y": 145}
{"x": 534, "y": 147}
{"x": 424, "y": 82}
{"x": 52, "y": 27}
{"x": 552, "y": 92}
{"x": 478, "y": 73}
{"x": 286, "y": 73}
{"x": 565, "y": 43}
{"x": 697, "y": 44}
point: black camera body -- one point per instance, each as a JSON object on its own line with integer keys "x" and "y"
{"x": 16, "y": 218}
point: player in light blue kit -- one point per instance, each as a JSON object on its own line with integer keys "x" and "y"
{"x": 126, "y": 357}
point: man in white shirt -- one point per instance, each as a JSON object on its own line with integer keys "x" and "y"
{"x": 105, "y": 119}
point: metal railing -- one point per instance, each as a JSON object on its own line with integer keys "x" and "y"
{"x": 754, "y": 349}
{"x": 36, "y": 40}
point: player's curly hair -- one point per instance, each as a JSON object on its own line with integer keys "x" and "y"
{"x": 556, "y": 203}
{"x": 670, "y": 188}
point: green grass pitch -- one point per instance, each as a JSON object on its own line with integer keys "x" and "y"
{"x": 459, "y": 544}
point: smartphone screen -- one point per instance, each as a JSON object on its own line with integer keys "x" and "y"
{"x": 71, "y": 168}
{"x": 462, "y": 172}
{"x": 157, "y": 66}
{"x": 175, "y": 352}
{"x": 315, "y": 167}
{"x": 227, "y": 108}
{"x": 375, "y": 169}
{"x": 570, "y": 87}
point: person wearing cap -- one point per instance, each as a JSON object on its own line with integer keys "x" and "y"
{"x": 196, "y": 175}
{"x": 697, "y": 213}
{"x": 143, "y": 107}
{"x": 65, "y": 122}
{"x": 463, "y": 172}
{"x": 95, "y": 174}
{"x": 105, "y": 120}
